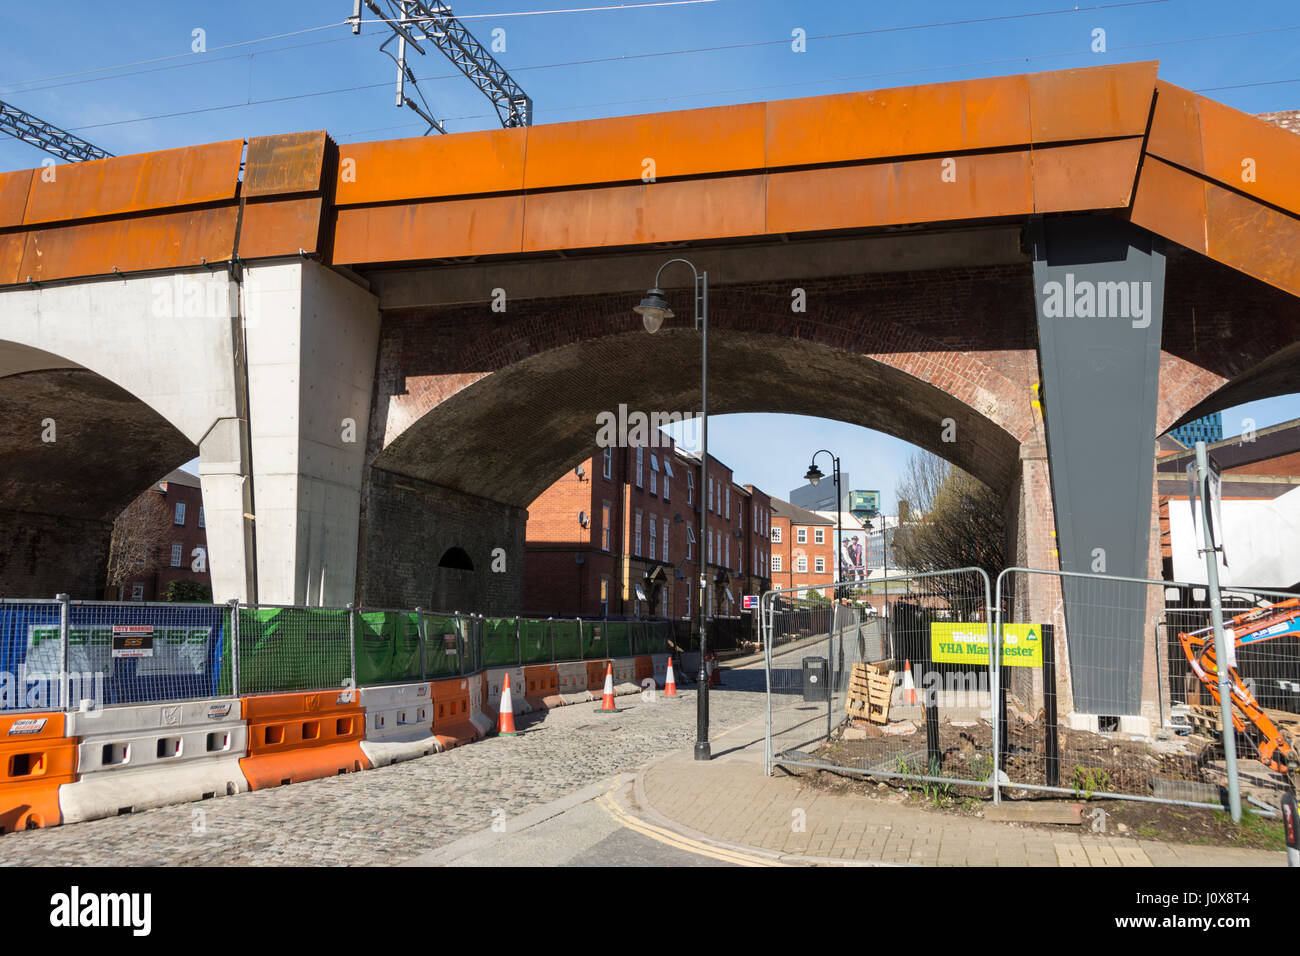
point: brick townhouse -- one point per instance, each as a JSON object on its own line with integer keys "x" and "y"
{"x": 803, "y": 547}
{"x": 617, "y": 536}
{"x": 182, "y": 549}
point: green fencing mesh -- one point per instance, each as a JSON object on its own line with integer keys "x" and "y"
{"x": 618, "y": 639}
{"x": 444, "y": 646}
{"x": 593, "y": 640}
{"x": 568, "y": 642}
{"x": 500, "y": 642}
{"x": 291, "y": 649}
{"x": 535, "y": 638}
{"x": 297, "y": 649}
{"x": 388, "y": 647}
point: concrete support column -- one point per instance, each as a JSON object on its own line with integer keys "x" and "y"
{"x": 227, "y": 500}
{"x": 312, "y": 338}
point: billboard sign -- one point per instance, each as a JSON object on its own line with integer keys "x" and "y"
{"x": 864, "y": 504}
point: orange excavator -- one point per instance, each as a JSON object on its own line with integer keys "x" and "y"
{"x": 1245, "y": 630}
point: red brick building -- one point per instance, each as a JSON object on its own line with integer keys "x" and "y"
{"x": 183, "y": 554}
{"x": 803, "y": 547}
{"x": 617, "y": 537}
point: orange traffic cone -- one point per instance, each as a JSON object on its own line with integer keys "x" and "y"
{"x": 506, "y": 713}
{"x": 715, "y": 672}
{"x": 670, "y": 681}
{"x": 909, "y": 687}
{"x": 607, "y": 700}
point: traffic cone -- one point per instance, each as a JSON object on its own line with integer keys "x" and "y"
{"x": 607, "y": 700}
{"x": 909, "y": 687}
{"x": 670, "y": 680}
{"x": 715, "y": 672}
{"x": 506, "y": 712}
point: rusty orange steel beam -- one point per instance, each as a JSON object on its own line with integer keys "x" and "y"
{"x": 1055, "y": 142}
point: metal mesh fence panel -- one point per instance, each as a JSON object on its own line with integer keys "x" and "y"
{"x": 388, "y": 647}
{"x": 892, "y": 684}
{"x": 618, "y": 638}
{"x": 593, "y": 640}
{"x": 535, "y": 641}
{"x": 283, "y": 649}
{"x": 567, "y": 635}
{"x": 658, "y": 635}
{"x": 442, "y": 651}
{"x": 31, "y": 656}
{"x": 136, "y": 653}
{"x": 500, "y": 641}
{"x": 1110, "y": 688}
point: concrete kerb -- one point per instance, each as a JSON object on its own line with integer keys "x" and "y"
{"x": 483, "y": 839}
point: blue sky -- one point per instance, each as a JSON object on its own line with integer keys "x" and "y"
{"x": 613, "y": 62}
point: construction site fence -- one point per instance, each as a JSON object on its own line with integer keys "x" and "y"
{"x": 70, "y": 655}
{"x": 838, "y": 695}
{"x": 1108, "y": 702}
{"x": 1095, "y": 693}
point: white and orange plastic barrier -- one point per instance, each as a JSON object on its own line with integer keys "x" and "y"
{"x": 37, "y": 758}
{"x": 399, "y": 723}
{"x": 303, "y": 736}
{"x": 153, "y": 755}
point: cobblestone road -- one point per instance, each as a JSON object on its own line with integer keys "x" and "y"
{"x": 393, "y": 813}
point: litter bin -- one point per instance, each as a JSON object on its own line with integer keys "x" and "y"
{"x": 815, "y": 678}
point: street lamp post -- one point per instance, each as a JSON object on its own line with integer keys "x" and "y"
{"x": 814, "y": 477}
{"x": 653, "y": 311}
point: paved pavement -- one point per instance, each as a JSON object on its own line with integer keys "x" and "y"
{"x": 577, "y": 788}
{"x": 391, "y": 814}
{"x": 729, "y": 802}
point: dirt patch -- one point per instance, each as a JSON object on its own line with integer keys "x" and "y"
{"x": 1170, "y": 824}
{"x": 1090, "y": 764}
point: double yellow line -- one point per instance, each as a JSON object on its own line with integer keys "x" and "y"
{"x": 623, "y": 818}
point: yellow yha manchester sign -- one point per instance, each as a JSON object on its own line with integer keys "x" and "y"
{"x": 957, "y": 643}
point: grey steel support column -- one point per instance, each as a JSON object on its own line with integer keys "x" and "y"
{"x": 1099, "y": 291}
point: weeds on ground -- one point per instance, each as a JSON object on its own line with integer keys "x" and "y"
{"x": 1090, "y": 780}
{"x": 1253, "y": 825}
{"x": 939, "y": 795}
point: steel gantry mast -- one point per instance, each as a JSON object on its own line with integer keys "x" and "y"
{"x": 57, "y": 142}
{"x": 414, "y": 22}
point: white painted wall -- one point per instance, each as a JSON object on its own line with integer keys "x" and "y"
{"x": 1261, "y": 540}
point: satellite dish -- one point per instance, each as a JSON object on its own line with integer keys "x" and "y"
{"x": 580, "y": 471}
{"x": 583, "y": 519}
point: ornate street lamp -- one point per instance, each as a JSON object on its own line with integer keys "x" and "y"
{"x": 653, "y": 311}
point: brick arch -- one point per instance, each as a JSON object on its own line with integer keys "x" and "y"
{"x": 58, "y": 499}
{"x": 462, "y": 400}
{"x": 1228, "y": 339}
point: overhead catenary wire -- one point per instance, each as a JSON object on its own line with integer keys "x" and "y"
{"x": 697, "y": 50}
{"x": 25, "y": 86}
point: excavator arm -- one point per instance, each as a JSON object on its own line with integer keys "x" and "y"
{"x": 1248, "y": 717}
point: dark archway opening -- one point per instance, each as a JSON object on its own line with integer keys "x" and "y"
{"x": 456, "y": 559}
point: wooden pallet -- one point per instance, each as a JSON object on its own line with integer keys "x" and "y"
{"x": 871, "y": 686}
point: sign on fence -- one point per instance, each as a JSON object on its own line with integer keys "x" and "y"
{"x": 968, "y": 643}
{"x": 159, "y": 650}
